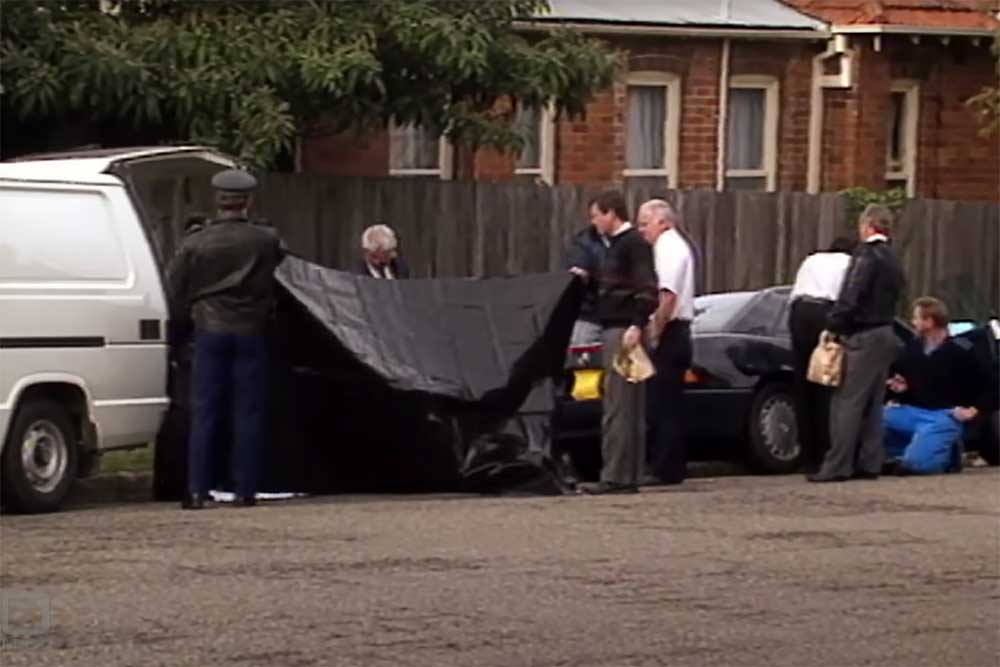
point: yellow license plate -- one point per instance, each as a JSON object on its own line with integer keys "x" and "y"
{"x": 587, "y": 384}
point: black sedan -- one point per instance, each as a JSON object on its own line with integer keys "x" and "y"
{"x": 739, "y": 386}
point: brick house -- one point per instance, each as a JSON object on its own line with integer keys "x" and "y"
{"x": 805, "y": 95}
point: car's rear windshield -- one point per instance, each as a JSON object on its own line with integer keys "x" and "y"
{"x": 715, "y": 312}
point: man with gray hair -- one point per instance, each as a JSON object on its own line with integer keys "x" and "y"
{"x": 862, "y": 318}
{"x": 381, "y": 254}
{"x": 669, "y": 338}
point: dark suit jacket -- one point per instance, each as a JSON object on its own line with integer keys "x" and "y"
{"x": 399, "y": 269}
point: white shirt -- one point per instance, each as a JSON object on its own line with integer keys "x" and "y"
{"x": 821, "y": 275}
{"x": 384, "y": 272}
{"x": 621, "y": 230}
{"x": 674, "y": 264}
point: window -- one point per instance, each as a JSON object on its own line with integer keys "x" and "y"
{"x": 901, "y": 136}
{"x": 89, "y": 249}
{"x": 752, "y": 133}
{"x": 537, "y": 158}
{"x": 417, "y": 151}
{"x": 652, "y": 125}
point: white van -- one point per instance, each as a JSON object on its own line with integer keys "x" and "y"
{"x": 83, "y": 316}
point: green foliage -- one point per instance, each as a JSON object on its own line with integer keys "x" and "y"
{"x": 858, "y": 198}
{"x": 252, "y": 77}
{"x": 986, "y": 103}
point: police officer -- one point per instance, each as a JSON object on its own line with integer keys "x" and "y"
{"x": 223, "y": 279}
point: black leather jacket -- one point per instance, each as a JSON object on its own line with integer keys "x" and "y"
{"x": 871, "y": 290}
{"x": 223, "y": 277}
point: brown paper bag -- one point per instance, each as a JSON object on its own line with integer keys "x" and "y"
{"x": 826, "y": 365}
{"x": 633, "y": 364}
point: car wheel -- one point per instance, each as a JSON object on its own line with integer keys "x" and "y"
{"x": 773, "y": 437}
{"x": 39, "y": 458}
{"x": 989, "y": 447}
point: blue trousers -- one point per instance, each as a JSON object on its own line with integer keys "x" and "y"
{"x": 229, "y": 395}
{"x": 925, "y": 441}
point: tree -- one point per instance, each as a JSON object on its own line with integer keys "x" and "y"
{"x": 987, "y": 103}
{"x": 253, "y": 77}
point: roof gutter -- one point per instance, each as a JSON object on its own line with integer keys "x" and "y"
{"x": 943, "y": 31}
{"x": 676, "y": 31}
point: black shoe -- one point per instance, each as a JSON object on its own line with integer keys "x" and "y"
{"x": 649, "y": 479}
{"x": 244, "y": 501}
{"x": 606, "y": 488}
{"x": 864, "y": 474}
{"x": 820, "y": 479}
{"x": 192, "y": 501}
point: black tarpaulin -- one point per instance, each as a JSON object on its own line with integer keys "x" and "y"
{"x": 409, "y": 385}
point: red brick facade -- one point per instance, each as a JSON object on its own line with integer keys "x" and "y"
{"x": 953, "y": 160}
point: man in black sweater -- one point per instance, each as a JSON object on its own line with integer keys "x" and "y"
{"x": 862, "y": 318}
{"x": 937, "y": 386}
{"x": 626, "y": 298}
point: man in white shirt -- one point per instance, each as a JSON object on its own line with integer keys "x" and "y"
{"x": 669, "y": 338}
{"x": 817, "y": 286}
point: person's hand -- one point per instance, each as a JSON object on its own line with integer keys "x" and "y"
{"x": 631, "y": 337}
{"x": 897, "y": 384}
{"x": 965, "y": 414}
{"x": 580, "y": 273}
{"x": 652, "y": 334}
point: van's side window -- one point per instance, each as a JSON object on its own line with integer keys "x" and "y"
{"x": 59, "y": 235}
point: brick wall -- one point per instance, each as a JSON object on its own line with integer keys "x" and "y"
{"x": 347, "y": 154}
{"x": 953, "y": 161}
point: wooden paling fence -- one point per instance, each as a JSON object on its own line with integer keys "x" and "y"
{"x": 457, "y": 229}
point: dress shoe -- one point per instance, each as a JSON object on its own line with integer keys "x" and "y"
{"x": 864, "y": 474}
{"x": 192, "y": 501}
{"x": 607, "y": 488}
{"x": 244, "y": 501}
{"x": 821, "y": 479}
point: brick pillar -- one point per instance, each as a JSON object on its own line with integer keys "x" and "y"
{"x": 700, "y": 117}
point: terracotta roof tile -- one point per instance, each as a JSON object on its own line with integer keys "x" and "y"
{"x": 959, "y": 14}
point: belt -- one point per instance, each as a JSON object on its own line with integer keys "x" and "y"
{"x": 814, "y": 299}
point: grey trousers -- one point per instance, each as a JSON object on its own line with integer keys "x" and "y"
{"x": 856, "y": 407}
{"x": 623, "y": 429}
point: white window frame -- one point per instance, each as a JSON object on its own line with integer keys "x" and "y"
{"x": 911, "y": 135}
{"x": 546, "y": 148}
{"x": 771, "y": 88}
{"x": 671, "y": 129}
{"x": 446, "y": 161}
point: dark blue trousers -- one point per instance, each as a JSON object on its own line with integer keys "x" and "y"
{"x": 229, "y": 395}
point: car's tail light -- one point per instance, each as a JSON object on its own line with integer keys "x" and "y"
{"x": 693, "y": 376}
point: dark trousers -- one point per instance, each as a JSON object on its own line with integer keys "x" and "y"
{"x": 229, "y": 394}
{"x": 667, "y": 439}
{"x": 812, "y": 401}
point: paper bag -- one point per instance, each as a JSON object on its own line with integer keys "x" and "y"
{"x": 633, "y": 364}
{"x": 826, "y": 365}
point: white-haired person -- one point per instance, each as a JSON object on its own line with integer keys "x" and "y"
{"x": 381, "y": 254}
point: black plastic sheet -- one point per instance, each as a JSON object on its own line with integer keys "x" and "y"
{"x": 404, "y": 386}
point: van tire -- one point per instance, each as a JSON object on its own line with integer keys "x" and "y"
{"x": 42, "y": 483}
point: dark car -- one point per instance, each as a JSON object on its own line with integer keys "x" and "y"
{"x": 983, "y": 433}
{"x": 739, "y": 386}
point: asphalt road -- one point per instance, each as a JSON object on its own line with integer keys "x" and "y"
{"x": 734, "y": 571}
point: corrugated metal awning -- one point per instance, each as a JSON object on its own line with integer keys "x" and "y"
{"x": 735, "y": 14}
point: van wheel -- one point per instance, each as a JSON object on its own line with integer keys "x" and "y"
{"x": 774, "y": 433}
{"x": 39, "y": 458}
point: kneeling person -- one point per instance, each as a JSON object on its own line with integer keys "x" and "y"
{"x": 936, "y": 386}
